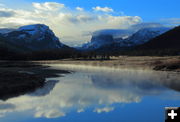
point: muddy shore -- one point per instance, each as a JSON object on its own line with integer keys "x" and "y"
{"x": 18, "y": 78}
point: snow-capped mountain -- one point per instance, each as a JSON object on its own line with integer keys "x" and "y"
{"x": 34, "y": 37}
{"x": 142, "y": 36}
{"x": 169, "y": 40}
{"x": 139, "y": 37}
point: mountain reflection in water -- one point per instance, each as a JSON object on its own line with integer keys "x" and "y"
{"x": 95, "y": 88}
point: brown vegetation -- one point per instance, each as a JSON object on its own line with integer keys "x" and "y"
{"x": 133, "y": 62}
{"x": 169, "y": 65}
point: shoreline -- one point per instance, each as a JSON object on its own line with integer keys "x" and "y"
{"x": 167, "y": 63}
{"x": 19, "y": 78}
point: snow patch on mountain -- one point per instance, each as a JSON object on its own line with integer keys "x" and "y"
{"x": 34, "y": 37}
{"x": 34, "y": 29}
{"x": 126, "y": 38}
{"x": 144, "y": 35}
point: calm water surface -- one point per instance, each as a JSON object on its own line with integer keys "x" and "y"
{"x": 94, "y": 94}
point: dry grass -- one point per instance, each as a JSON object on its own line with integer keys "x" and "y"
{"x": 168, "y": 65}
{"x": 135, "y": 62}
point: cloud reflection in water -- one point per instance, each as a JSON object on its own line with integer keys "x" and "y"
{"x": 94, "y": 88}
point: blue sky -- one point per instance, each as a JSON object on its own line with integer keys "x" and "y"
{"x": 149, "y": 10}
{"x": 75, "y": 20}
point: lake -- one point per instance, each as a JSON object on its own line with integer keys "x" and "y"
{"x": 97, "y": 94}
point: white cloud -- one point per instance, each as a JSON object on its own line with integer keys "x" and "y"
{"x": 103, "y": 9}
{"x": 52, "y": 6}
{"x": 69, "y": 25}
{"x": 79, "y": 9}
{"x": 49, "y": 114}
{"x": 14, "y": 18}
{"x": 6, "y": 13}
{"x": 105, "y": 109}
{"x": 171, "y": 21}
{"x": 121, "y": 21}
{"x": 80, "y": 110}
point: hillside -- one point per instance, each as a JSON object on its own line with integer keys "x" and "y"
{"x": 34, "y": 37}
{"x": 32, "y": 42}
{"x": 170, "y": 40}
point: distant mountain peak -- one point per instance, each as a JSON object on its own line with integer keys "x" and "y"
{"x": 34, "y": 37}
{"x": 102, "y": 39}
{"x": 167, "y": 40}
{"x": 31, "y": 29}
{"x": 145, "y": 34}
{"x": 38, "y": 30}
{"x": 33, "y": 26}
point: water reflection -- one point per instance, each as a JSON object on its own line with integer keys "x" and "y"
{"x": 49, "y": 85}
{"x": 96, "y": 88}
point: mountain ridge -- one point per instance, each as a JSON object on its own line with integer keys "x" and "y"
{"x": 137, "y": 38}
{"x": 34, "y": 37}
{"x": 169, "y": 39}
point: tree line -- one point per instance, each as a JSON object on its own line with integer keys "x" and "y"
{"x": 70, "y": 53}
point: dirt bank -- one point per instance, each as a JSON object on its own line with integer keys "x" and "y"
{"x": 17, "y": 78}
